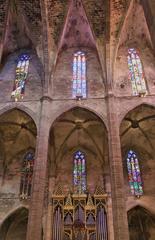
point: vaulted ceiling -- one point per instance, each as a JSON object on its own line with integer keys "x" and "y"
{"x": 17, "y": 135}
{"x": 51, "y": 25}
{"x": 138, "y": 130}
{"x": 78, "y": 130}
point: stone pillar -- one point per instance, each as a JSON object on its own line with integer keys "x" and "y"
{"x": 149, "y": 10}
{"x": 34, "y": 231}
{"x": 120, "y": 222}
{"x": 49, "y": 217}
{"x": 4, "y": 24}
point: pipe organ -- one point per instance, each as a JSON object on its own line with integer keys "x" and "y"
{"x": 79, "y": 216}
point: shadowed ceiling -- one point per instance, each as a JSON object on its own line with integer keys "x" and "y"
{"x": 141, "y": 224}
{"x": 14, "y": 227}
{"x": 138, "y": 130}
{"x": 18, "y": 134}
{"x": 78, "y": 129}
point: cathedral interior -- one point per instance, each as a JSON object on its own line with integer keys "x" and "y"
{"x": 77, "y": 120}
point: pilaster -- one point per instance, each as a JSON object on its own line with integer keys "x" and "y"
{"x": 34, "y": 231}
{"x": 120, "y": 222}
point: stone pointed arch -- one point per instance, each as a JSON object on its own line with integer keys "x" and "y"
{"x": 141, "y": 223}
{"x": 15, "y": 224}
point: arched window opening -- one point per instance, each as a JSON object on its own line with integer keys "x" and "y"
{"x": 79, "y": 75}
{"x": 136, "y": 74}
{"x": 79, "y": 172}
{"x": 134, "y": 175}
{"x": 21, "y": 75}
{"x": 26, "y": 175}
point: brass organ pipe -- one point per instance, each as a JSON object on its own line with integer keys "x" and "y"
{"x": 102, "y": 229}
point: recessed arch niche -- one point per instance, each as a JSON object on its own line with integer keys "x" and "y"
{"x": 141, "y": 224}
{"x": 15, "y": 226}
{"x": 17, "y": 136}
{"x": 137, "y": 133}
{"x": 78, "y": 129}
{"x": 78, "y": 135}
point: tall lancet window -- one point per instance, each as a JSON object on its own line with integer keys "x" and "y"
{"x": 79, "y": 75}
{"x": 79, "y": 173}
{"x": 136, "y": 74}
{"x": 26, "y": 175}
{"x": 134, "y": 174}
{"x": 21, "y": 75}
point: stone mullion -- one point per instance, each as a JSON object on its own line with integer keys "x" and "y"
{"x": 117, "y": 179}
{"x": 35, "y": 224}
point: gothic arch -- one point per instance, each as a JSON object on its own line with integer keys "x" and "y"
{"x": 143, "y": 205}
{"x": 65, "y": 109}
{"x": 22, "y": 108}
{"x": 133, "y": 106}
{"x": 15, "y": 224}
{"x": 133, "y": 37}
{"x": 128, "y": 11}
{"x": 77, "y": 129}
{"x": 18, "y": 135}
{"x": 137, "y": 133}
{"x": 141, "y": 223}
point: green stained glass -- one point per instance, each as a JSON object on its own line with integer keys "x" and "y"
{"x": 136, "y": 75}
{"x": 79, "y": 172}
{"x": 21, "y": 75}
{"x": 134, "y": 175}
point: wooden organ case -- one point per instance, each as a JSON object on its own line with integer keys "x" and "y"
{"x": 79, "y": 216}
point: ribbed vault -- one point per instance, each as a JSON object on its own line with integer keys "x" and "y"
{"x": 18, "y": 134}
{"x": 75, "y": 130}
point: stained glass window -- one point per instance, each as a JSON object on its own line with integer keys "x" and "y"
{"x": 79, "y": 173}
{"x": 136, "y": 74}
{"x": 134, "y": 175}
{"x": 79, "y": 75}
{"x": 21, "y": 75}
{"x": 26, "y": 175}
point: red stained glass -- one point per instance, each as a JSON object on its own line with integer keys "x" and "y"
{"x": 79, "y": 173}
{"x": 134, "y": 175}
{"x": 136, "y": 75}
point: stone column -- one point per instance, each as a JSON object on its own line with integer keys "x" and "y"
{"x": 4, "y": 24}
{"x": 49, "y": 217}
{"x": 120, "y": 222}
{"x": 149, "y": 10}
{"x": 34, "y": 231}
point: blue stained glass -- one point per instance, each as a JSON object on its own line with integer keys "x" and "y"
{"x": 79, "y": 172}
{"x": 134, "y": 176}
{"x": 79, "y": 75}
{"x": 21, "y": 75}
{"x": 136, "y": 75}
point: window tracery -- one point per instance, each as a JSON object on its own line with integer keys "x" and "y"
{"x": 79, "y": 172}
{"x": 26, "y": 175}
{"x": 21, "y": 75}
{"x": 79, "y": 75}
{"x": 134, "y": 175}
{"x": 136, "y": 73}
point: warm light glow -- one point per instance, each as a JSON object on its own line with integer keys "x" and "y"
{"x": 136, "y": 74}
{"x": 134, "y": 175}
{"x": 79, "y": 173}
{"x": 79, "y": 75}
{"x": 21, "y": 75}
